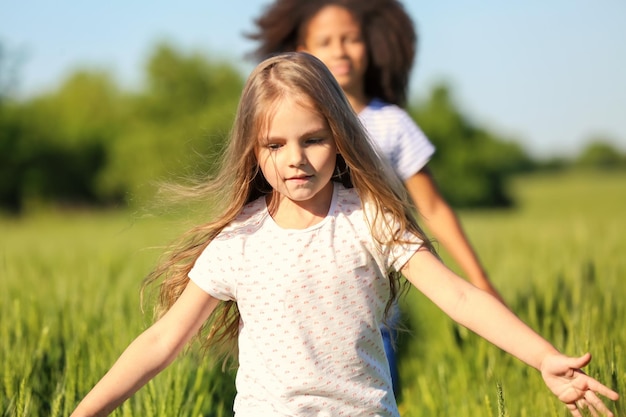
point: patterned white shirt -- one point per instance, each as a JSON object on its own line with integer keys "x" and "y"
{"x": 397, "y": 136}
{"x": 311, "y": 304}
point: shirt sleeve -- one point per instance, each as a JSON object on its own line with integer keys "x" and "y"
{"x": 412, "y": 149}
{"x": 400, "y": 253}
{"x": 214, "y": 271}
{"x": 397, "y": 136}
{"x": 394, "y": 254}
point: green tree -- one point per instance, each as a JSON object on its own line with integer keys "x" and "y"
{"x": 471, "y": 165}
{"x": 11, "y": 158}
{"x": 90, "y": 143}
{"x": 10, "y": 129}
{"x": 178, "y": 125}
{"x": 64, "y": 136}
{"x": 600, "y": 153}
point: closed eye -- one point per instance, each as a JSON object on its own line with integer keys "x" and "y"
{"x": 314, "y": 141}
{"x": 354, "y": 38}
{"x": 322, "y": 43}
{"x": 273, "y": 146}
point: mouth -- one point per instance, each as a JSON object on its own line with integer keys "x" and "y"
{"x": 299, "y": 178}
{"x": 341, "y": 69}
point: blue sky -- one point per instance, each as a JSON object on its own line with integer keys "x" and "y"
{"x": 549, "y": 74}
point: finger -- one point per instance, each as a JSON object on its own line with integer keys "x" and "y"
{"x": 592, "y": 410}
{"x": 606, "y": 413}
{"x": 594, "y": 403}
{"x": 597, "y": 387}
{"x": 581, "y": 361}
{"x": 573, "y": 409}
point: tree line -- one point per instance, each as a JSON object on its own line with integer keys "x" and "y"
{"x": 92, "y": 143}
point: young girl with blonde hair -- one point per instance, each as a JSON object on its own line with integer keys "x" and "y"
{"x": 301, "y": 262}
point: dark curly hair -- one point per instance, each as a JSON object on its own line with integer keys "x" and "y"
{"x": 388, "y": 30}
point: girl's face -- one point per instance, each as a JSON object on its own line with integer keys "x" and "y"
{"x": 334, "y": 36}
{"x": 297, "y": 153}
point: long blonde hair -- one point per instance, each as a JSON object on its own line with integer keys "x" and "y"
{"x": 240, "y": 181}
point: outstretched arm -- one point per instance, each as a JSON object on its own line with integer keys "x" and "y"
{"x": 483, "y": 314}
{"x": 149, "y": 353}
{"x": 445, "y": 226}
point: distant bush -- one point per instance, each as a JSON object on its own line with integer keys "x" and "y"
{"x": 599, "y": 153}
{"x": 471, "y": 165}
{"x": 90, "y": 143}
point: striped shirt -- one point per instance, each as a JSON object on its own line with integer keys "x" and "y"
{"x": 397, "y": 136}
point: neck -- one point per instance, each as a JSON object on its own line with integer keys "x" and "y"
{"x": 357, "y": 100}
{"x": 290, "y": 214}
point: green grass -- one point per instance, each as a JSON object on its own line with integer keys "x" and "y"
{"x": 559, "y": 262}
{"x": 69, "y": 304}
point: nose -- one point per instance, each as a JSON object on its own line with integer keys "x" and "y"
{"x": 338, "y": 48}
{"x": 297, "y": 156}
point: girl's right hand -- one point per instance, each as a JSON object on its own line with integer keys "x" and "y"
{"x": 562, "y": 374}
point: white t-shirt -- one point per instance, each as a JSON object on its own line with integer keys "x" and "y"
{"x": 311, "y": 304}
{"x": 397, "y": 136}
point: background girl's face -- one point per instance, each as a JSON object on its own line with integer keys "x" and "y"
{"x": 334, "y": 36}
{"x": 297, "y": 152}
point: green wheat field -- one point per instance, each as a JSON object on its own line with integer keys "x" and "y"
{"x": 69, "y": 305}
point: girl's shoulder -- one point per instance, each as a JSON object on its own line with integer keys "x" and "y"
{"x": 348, "y": 194}
{"x": 348, "y": 200}
{"x": 249, "y": 219}
{"x": 378, "y": 109}
{"x": 379, "y": 105}
{"x": 352, "y": 206}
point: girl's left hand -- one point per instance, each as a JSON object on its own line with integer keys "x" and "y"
{"x": 562, "y": 374}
